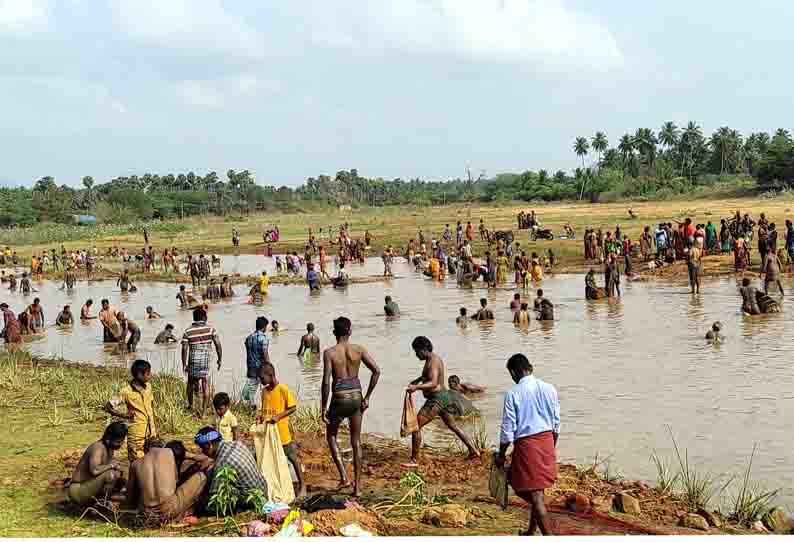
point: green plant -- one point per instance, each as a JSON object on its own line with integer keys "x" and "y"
{"x": 224, "y": 501}
{"x": 665, "y": 478}
{"x": 56, "y": 418}
{"x": 256, "y": 499}
{"x": 698, "y": 486}
{"x": 752, "y": 502}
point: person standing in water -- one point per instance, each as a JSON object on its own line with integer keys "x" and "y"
{"x": 749, "y": 300}
{"x": 341, "y": 365}
{"x": 771, "y": 272}
{"x": 65, "y": 317}
{"x": 521, "y": 316}
{"x": 310, "y": 343}
{"x": 438, "y": 401}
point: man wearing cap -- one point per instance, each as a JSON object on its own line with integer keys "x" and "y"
{"x": 233, "y": 454}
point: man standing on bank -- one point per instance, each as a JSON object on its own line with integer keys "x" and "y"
{"x": 531, "y": 423}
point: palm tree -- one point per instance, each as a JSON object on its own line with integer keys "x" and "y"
{"x": 720, "y": 142}
{"x": 669, "y": 135}
{"x": 581, "y": 147}
{"x": 626, "y": 148}
{"x": 599, "y": 144}
{"x": 691, "y": 140}
{"x": 645, "y": 143}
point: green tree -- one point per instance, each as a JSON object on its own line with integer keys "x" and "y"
{"x": 581, "y": 147}
{"x": 599, "y": 144}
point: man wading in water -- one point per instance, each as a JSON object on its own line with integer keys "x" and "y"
{"x": 342, "y": 362}
{"x": 438, "y": 401}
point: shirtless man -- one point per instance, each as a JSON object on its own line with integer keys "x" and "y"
{"x": 462, "y": 320}
{"x": 186, "y": 300}
{"x": 124, "y": 282}
{"x": 771, "y": 272}
{"x": 25, "y": 285}
{"x": 69, "y": 279}
{"x": 152, "y": 314}
{"x": 166, "y": 336}
{"x": 65, "y": 317}
{"x": 310, "y": 343}
{"x": 85, "y": 312}
{"x": 97, "y": 474}
{"x": 438, "y": 401}
{"x": 341, "y": 364}
{"x": 390, "y": 307}
{"x": 152, "y": 483}
{"x": 749, "y": 302}
{"x": 484, "y": 313}
{"x": 128, "y": 326}
{"x": 713, "y": 335}
{"x": 12, "y": 283}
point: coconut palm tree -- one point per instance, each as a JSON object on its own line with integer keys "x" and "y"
{"x": 669, "y": 135}
{"x": 626, "y": 148}
{"x": 599, "y": 144}
{"x": 691, "y": 141}
{"x": 645, "y": 143}
{"x": 581, "y": 147}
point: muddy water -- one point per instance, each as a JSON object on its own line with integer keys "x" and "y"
{"x": 624, "y": 371}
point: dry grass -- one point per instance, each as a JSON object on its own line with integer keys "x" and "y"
{"x": 394, "y": 225}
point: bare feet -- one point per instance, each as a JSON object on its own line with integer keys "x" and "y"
{"x": 301, "y": 492}
{"x": 344, "y": 484}
{"x": 410, "y": 465}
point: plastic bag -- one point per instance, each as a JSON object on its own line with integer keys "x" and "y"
{"x": 409, "y": 424}
{"x": 497, "y": 483}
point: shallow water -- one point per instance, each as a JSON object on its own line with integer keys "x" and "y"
{"x": 624, "y": 370}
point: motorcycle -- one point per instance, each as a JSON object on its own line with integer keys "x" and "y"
{"x": 541, "y": 233}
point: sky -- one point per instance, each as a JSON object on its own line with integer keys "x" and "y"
{"x": 408, "y": 88}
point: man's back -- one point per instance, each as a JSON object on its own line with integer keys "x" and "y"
{"x": 345, "y": 360}
{"x": 82, "y": 471}
{"x": 156, "y": 476}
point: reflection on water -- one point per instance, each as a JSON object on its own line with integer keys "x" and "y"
{"x": 624, "y": 368}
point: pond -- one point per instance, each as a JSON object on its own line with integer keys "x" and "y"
{"x": 624, "y": 370}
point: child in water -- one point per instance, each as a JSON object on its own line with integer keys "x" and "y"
{"x": 455, "y": 384}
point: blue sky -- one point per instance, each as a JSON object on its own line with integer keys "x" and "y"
{"x": 396, "y": 89}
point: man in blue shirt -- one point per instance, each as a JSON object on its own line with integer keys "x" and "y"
{"x": 311, "y": 278}
{"x": 661, "y": 241}
{"x": 256, "y": 353}
{"x": 531, "y": 423}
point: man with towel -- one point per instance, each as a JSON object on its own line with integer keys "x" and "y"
{"x": 531, "y": 423}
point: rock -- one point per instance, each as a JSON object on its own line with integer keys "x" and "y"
{"x": 577, "y": 503}
{"x": 627, "y": 504}
{"x": 712, "y": 518}
{"x": 758, "y": 526}
{"x": 695, "y": 521}
{"x": 777, "y": 521}
{"x": 602, "y": 503}
{"x": 448, "y": 515}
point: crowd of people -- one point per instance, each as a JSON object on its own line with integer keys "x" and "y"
{"x": 163, "y": 486}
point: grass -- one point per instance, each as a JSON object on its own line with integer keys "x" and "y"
{"x": 666, "y": 479}
{"x": 698, "y": 486}
{"x": 394, "y": 225}
{"x": 752, "y": 502}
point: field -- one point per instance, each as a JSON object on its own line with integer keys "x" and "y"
{"x": 395, "y": 225}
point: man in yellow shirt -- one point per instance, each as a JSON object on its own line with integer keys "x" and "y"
{"x": 278, "y": 404}
{"x": 264, "y": 282}
{"x": 139, "y": 399}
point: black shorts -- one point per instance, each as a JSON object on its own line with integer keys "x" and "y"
{"x": 345, "y": 405}
{"x": 291, "y": 451}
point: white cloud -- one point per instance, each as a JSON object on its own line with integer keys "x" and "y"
{"x": 22, "y": 15}
{"x": 538, "y": 32}
{"x": 194, "y": 26}
{"x": 228, "y": 93}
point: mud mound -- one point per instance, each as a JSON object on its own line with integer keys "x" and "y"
{"x": 330, "y": 522}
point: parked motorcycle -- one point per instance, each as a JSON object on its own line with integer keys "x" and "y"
{"x": 541, "y": 233}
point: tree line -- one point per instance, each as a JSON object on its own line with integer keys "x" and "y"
{"x": 647, "y": 163}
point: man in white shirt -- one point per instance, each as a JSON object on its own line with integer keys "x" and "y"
{"x": 531, "y": 423}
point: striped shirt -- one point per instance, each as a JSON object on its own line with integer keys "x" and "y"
{"x": 199, "y": 338}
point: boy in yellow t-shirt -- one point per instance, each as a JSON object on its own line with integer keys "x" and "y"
{"x": 225, "y": 422}
{"x": 264, "y": 283}
{"x": 278, "y": 404}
